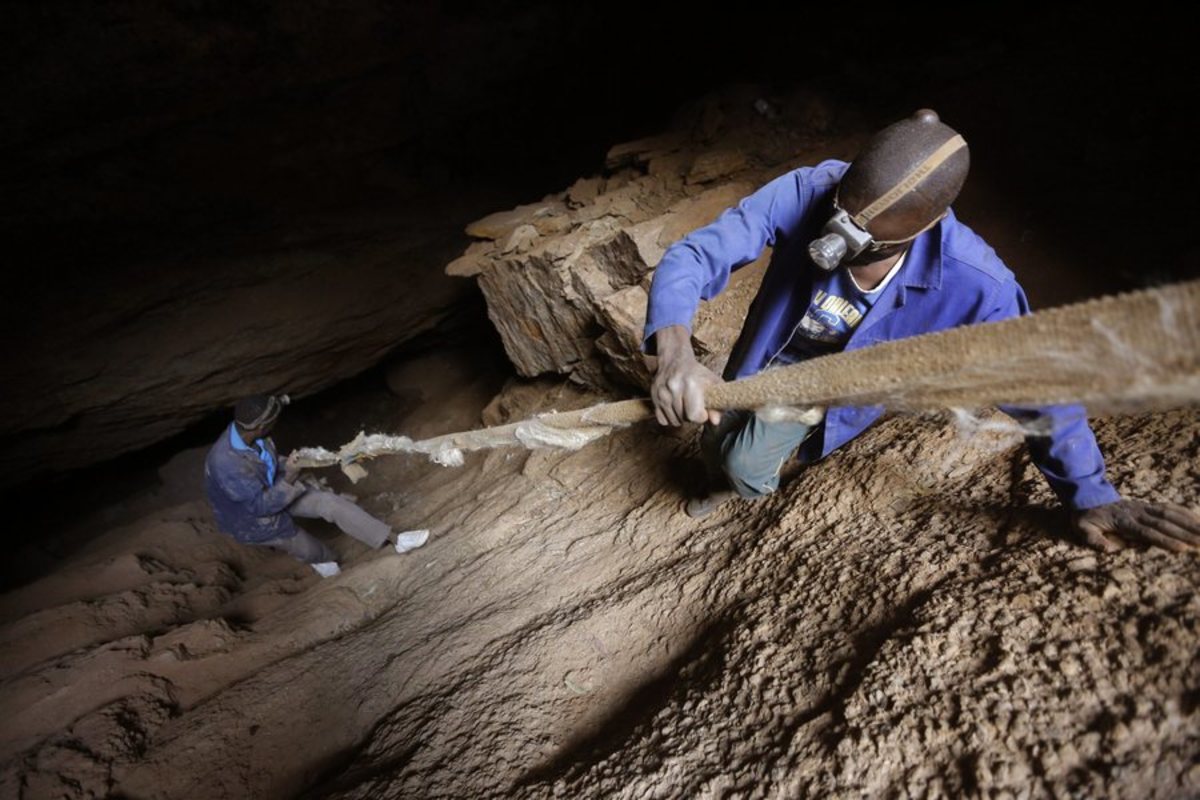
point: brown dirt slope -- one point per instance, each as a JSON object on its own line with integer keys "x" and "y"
{"x": 904, "y": 618}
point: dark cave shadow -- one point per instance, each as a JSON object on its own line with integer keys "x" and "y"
{"x": 866, "y": 647}
{"x": 1051, "y": 523}
{"x": 702, "y": 660}
{"x": 679, "y": 464}
{"x": 337, "y": 773}
{"x": 685, "y": 475}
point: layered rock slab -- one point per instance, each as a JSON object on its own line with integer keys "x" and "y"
{"x": 114, "y": 370}
{"x": 566, "y": 278}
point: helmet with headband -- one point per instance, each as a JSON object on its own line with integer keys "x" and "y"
{"x": 899, "y": 186}
{"x": 258, "y": 411}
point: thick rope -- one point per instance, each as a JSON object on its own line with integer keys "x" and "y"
{"x": 1131, "y": 352}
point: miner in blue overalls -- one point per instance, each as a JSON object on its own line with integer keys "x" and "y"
{"x": 863, "y": 253}
{"x": 254, "y": 497}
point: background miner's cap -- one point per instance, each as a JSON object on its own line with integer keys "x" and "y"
{"x": 258, "y": 410}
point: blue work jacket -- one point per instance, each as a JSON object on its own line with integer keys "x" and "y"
{"x": 949, "y": 277}
{"x": 246, "y": 504}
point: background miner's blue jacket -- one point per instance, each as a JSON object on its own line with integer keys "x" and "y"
{"x": 246, "y": 504}
{"x": 950, "y": 277}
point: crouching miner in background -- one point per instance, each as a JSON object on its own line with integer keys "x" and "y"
{"x": 254, "y": 497}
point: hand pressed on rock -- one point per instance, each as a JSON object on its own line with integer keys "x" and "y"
{"x": 1166, "y": 525}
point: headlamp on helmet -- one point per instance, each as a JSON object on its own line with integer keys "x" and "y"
{"x": 842, "y": 239}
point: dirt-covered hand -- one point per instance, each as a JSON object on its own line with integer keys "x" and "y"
{"x": 291, "y": 467}
{"x": 678, "y": 390}
{"x": 679, "y": 380}
{"x": 1166, "y": 525}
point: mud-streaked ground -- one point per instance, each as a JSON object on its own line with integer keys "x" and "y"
{"x": 907, "y": 618}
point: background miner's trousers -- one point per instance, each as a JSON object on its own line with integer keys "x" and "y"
{"x": 747, "y": 453}
{"x": 333, "y": 508}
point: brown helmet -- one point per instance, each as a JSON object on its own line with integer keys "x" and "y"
{"x": 905, "y": 177}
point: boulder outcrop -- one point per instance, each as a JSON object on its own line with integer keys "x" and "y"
{"x": 566, "y": 278}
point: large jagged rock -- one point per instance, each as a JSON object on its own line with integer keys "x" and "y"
{"x": 566, "y": 279}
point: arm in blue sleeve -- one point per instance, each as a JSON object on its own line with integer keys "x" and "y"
{"x": 261, "y": 501}
{"x": 1064, "y": 449}
{"x": 698, "y": 266}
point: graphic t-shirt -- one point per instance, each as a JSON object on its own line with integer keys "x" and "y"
{"x": 836, "y": 308}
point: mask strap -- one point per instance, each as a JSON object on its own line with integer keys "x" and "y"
{"x": 906, "y": 184}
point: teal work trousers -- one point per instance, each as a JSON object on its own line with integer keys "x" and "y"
{"x": 747, "y": 453}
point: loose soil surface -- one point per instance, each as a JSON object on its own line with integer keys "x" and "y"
{"x": 908, "y": 617}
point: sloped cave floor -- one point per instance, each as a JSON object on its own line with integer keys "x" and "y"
{"x": 909, "y": 617}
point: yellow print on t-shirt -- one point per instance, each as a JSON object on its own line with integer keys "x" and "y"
{"x": 837, "y": 306}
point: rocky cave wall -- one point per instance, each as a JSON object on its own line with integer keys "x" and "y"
{"x": 175, "y": 177}
{"x": 909, "y": 617}
{"x": 567, "y": 279}
{"x": 217, "y": 198}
